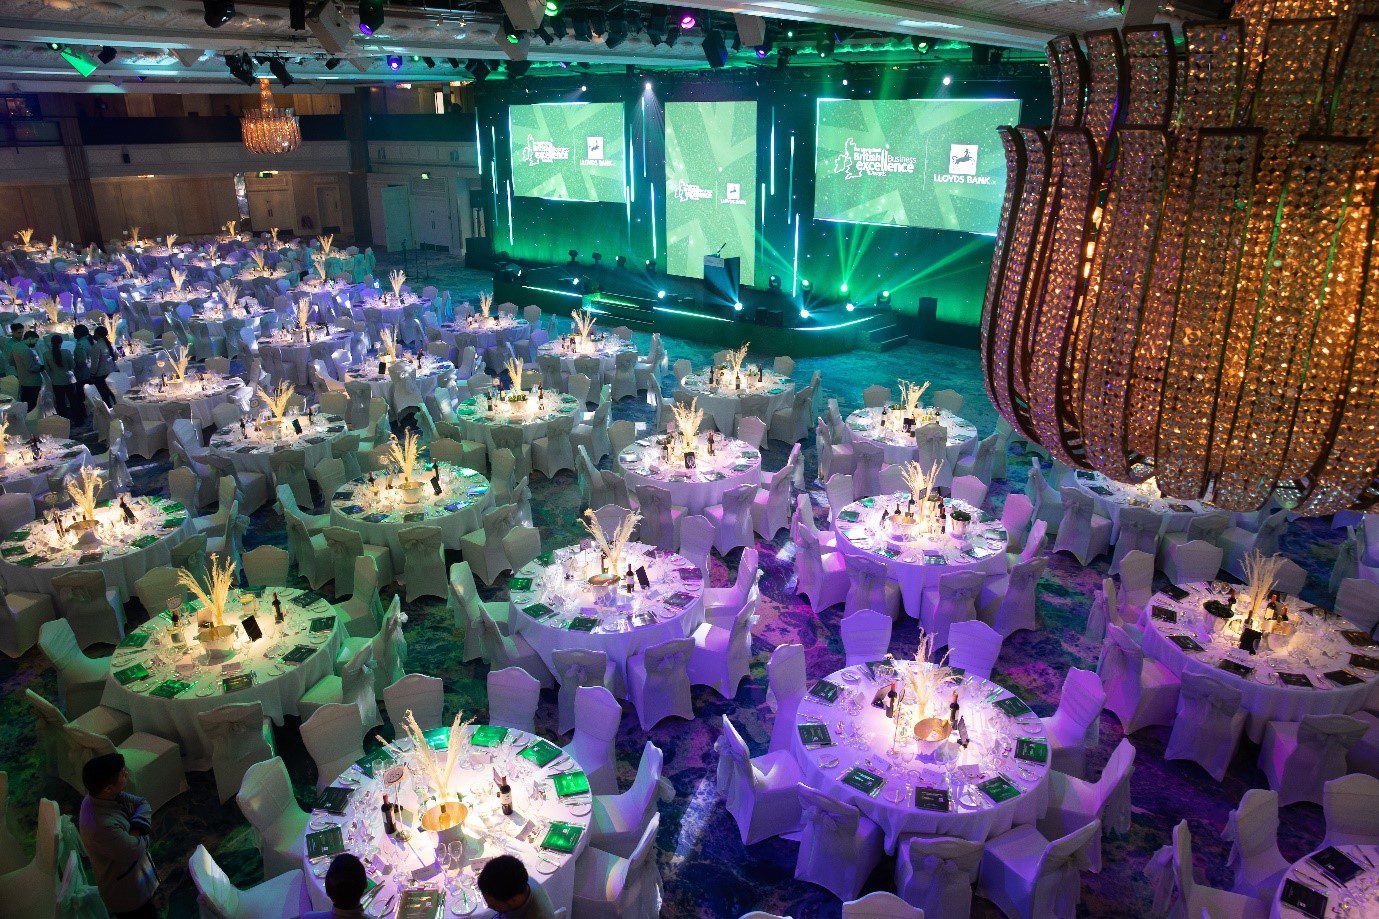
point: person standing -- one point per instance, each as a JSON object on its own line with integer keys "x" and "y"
{"x": 100, "y": 363}
{"x": 115, "y": 827}
{"x": 62, "y": 377}
{"x": 81, "y": 361}
{"x": 28, "y": 367}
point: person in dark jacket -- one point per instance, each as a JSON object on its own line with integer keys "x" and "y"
{"x": 115, "y": 827}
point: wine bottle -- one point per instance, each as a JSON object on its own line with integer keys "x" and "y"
{"x": 126, "y": 510}
{"x": 630, "y": 580}
{"x": 436, "y": 478}
{"x": 505, "y": 795}
{"x": 892, "y": 700}
{"x": 277, "y": 608}
{"x": 953, "y": 709}
{"x": 389, "y": 819}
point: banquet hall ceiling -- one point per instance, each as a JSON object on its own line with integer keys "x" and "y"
{"x": 169, "y": 41}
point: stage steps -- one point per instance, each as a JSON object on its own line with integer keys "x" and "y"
{"x": 886, "y": 337}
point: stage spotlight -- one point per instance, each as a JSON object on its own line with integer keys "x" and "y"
{"x": 429, "y": 61}
{"x": 574, "y": 282}
{"x": 883, "y": 299}
{"x": 622, "y": 262}
{"x": 394, "y": 63}
{"x": 920, "y": 45}
{"x": 656, "y": 28}
{"x": 672, "y": 36}
{"x": 843, "y": 287}
{"x": 556, "y": 24}
{"x": 804, "y": 314}
{"x": 296, "y": 15}
{"x": 737, "y": 306}
{"x": 241, "y": 67}
{"x": 480, "y": 69}
{"x": 579, "y": 23}
{"x": 660, "y": 295}
{"x": 650, "y": 265}
{"x": 806, "y": 284}
{"x": 687, "y": 21}
{"x": 597, "y": 257}
{"x": 850, "y": 306}
{"x": 773, "y": 282}
{"x": 217, "y": 12}
{"x": 826, "y": 44}
{"x": 574, "y": 254}
{"x": 761, "y": 52}
{"x": 715, "y": 52}
{"x": 510, "y": 32}
{"x": 783, "y": 57}
{"x": 83, "y": 64}
{"x": 545, "y": 35}
{"x": 454, "y": 62}
{"x": 617, "y": 31}
{"x": 947, "y": 80}
{"x": 552, "y": 7}
{"x": 106, "y": 55}
{"x": 517, "y": 69}
{"x": 370, "y": 16}
{"x": 279, "y": 70}
{"x": 332, "y": 63}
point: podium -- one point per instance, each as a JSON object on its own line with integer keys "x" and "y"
{"x": 721, "y": 277}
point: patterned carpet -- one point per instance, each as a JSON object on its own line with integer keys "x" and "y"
{"x": 705, "y": 869}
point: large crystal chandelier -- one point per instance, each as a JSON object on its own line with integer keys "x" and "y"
{"x": 1183, "y": 283}
{"x": 270, "y": 129}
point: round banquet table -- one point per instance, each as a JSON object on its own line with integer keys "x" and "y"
{"x": 1318, "y": 652}
{"x": 499, "y": 327}
{"x": 722, "y": 400}
{"x": 379, "y": 513}
{"x": 913, "y": 561}
{"x": 295, "y": 354}
{"x": 605, "y": 347}
{"x": 861, "y": 736}
{"x": 171, "y": 399}
{"x": 314, "y": 287}
{"x": 732, "y": 463}
{"x": 32, "y": 556}
{"x": 426, "y": 370}
{"x": 450, "y": 868}
{"x": 898, "y": 444}
{"x": 214, "y": 316}
{"x": 163, "y": 678}
{"x": 251, "y": 448}
{"x": 21, "y": 472}
{"x": 1358, "y": 897}
{"x": 1111, "y": 496}
{"x": 477, "y": 415}
{"x": 554, "y": 607}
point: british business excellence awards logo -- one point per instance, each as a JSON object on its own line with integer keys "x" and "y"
{"x": 855, "y": 162}
{"x": 688, "y": 191}
{"x": 538, "y": 152}
{"x": 595, "y": 154}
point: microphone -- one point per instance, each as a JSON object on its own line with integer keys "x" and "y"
{"x": 719, "y": 250}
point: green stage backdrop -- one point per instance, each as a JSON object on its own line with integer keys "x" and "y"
{"x": 567, "y": 151}
{"x": 934, "y": 163}
{"x": 711, "y": 185}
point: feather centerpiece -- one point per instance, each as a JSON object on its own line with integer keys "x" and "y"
{"x": 134, "y": 239}
{"x": 318, "y": 261}
{"x": 215, "y": 594}
{"x": 274, "y": 232}
{"x": 920, "y": 482}
{"x": 927, "y": 682}
{"x": 179, "y": 279}
{"x": 910, "y": 395}
{"x": 128, "y": 265}
{"x": 514, "y": 369}
{"x": 230, "y": 227}
{"x": 485, "y": 304}
{"x": 170, "y": 240}
{"x": 387, "y": 344}
{"x": 611, "y": 547}
{"x": 259, "y": 261}
{"x": 396, "y": 278}
{"x": 303, "y": 313}
{"x": 178, "y": 359}
{"x": 228, "y": 292}
{"x": 584, "y": 328}
{"x": 278, "y": 400}
{"x": 112, "y": 327}
{"x": 688, "y": 419}
{"x": 402, "y": 453}
{"x": 1261, "y": 573}
{"x": 83, "y": 488}
{"x": 435, "y": 769}
{"x": 26, "y": 236}
{"x": 4, "y": 431}
{"x": 52, "y": 308}
{"x": 736, "y": 358}
{"x": 327, "y": 244}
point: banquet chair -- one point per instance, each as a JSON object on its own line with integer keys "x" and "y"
{"x": 554, "y": 453}
{"x": 760, "y": 794}
{"x": 679, "y": 369}
{"x": 608, "y": 886}
{"x": 839, "y": 847}
{"x": 624, "y": 375}
{"x": 841, "y": 490}
{"x": 1208, "y": 723}
{"x": 466, "y": 610}
{"x": 935, "y": 874}
{"x": 1299, "y": 757}
{"x": 1188, "y": 562}
{"x": 1082, "y": 532}
{"x": 1008, "y": 603}
{"x": 791, "y": 424}
{"x": 32, "y": 890}
{"x": 334, "y": 736}
{"x": 330, "y": 475}
{"x": 550, "y": 366}
{"x": 931, "y": 451}
{"x": 147, "y": 435}
{"x": 594, "y": 746}
{"x": 980, "y": 463}
{"x": 1207, "y": 526}
{"x": 502, "y": 472}
{"x": 227, "y": 414}
{"x": 783, "y": 365}
{"x": 1136, "y": 580}
{"x": 483, "y": 548}
{"x": 866, "y": 636}
{"x": 592, "y": 433}
{"x": 467, "y": 454}
{"x": 289, "y": 468}
{"x": 969, "y": 489}
{"x": 722, "y": 604}
{"x": 22, "y": 614}
{"x": 751, "y": 430}
{"x": 423, "y": 570}
{"x": 354, "y": 685}
{"x": 974, "y": 646}
{"x": 513, "y": 695}
{"x": 954, "y": 601}
{"x": 832, "y": 456}
{"x": 1076, "y": 724}
{"x": 577, "y": 385}
{"x": 876, "y": 396}
{"x": 722, "y": 654}
{"x": 344, "y": 547}
{"x": 422, "y": 695}
{"x": 53, "y": 743}
{"x": 521, "y": 545}
{"x": 621, "y": 435}
{"x": 785, "y": 689}
{"x": 660, "y": 516}
{"x": 1357, "y": 601}
{"x": 334, "y": 402}
{"x": 658, "y": 682}
{"x": 95, "y": 611}
{"x": 281, "y": 897}
{"x": 388, "y": 644}
{"x": 770, "y": 510}
{"x": 154, "y": 764}
{"x": 611, "y": 516}
{"x": 947, "y": 400}
{"x": 868, "y": 585}
{"x": 732, "y": 519}
{"x": 502, "y": 650}
{"x": 157, "y": 587}
{"x": 16, "y": 510}
{"x": 1140, "y": 691}
{"x": 1240, "y": 543}
{"x": 1075, "y": 802}
{"x": 252, "y": 487}
{"x": 1350, "y": 805}
{"x": 575, "y": 668}
{"x": 1047, "y": 500}
{"x": 619, "y": 821}
{"x": 99, "y": 411}
{"x": 12, "y": 854}
{"x": 265, "y": 798}
{"x": 1027, "y": 875}
{"x": 611, "y": 488}
{"x": 696, "y": 541}
{"x": 1136, "y": 531}
{"x": 1253, "y": 829}
{"x": 866, "y": 473}
{"x": 311, "y": 552}
{"x": 1291, "y": 578}
{"x": 1179, "y": 894}
{"x": 880, "y": 904}
{"x": 53, "y": 426}
{"x": 239, "y": 736}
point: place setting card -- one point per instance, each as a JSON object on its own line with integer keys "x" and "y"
{"x": 325, "y": 843}
{"x": 1032, "y": 750}
{"x": 1235, "y": 667}
{"x": 1343, "y": 678}
{"x": 933, "y": 799}
{"x": 1300, "y": 680}
{"x": 864, "y": 780}
{"x": 825, "y": 692}
{"x": 1012, "y": 706}
{"x": 541, "y": 753}
{"x": 1364, "y": 662}
{"x": 420, "y": 903}
{"x": 333, "y": 800}
{"x": 1304, "y": 899}
{"x": 562, "y": 837}
{"x": 570, "y": 784}
{"x": 299, "y": 654}
{"x": 815, "y": 735}
{"x": 1358, "y": 638}
{"x": 999, "y": 789}
{"x": 1163, "y": 614}
{"x": 170, "y": 689}
{"x": 239, "y": 681}
{"x": 1335, "y": 864}
{"x": 1187, "y": 643}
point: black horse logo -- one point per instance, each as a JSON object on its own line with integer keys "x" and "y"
{"x": 964, "y": 157}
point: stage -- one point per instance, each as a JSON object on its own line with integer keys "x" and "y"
{"x": 772, "y": 320}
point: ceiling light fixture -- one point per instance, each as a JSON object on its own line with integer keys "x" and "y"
{"x": 270, "y": 130}
{"x": 217, "y": 12}
{"x": 370, "y": 16}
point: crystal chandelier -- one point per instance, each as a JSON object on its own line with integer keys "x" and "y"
{"x": 1182, "y": 284}
{"x": 270, "y": 129}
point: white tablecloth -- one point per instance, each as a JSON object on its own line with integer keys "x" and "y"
{"x": 381, "y": 384}
{"x": 534, "y": 803}
{"x": 541, "y": 611}
{"x": 295, "y": 355}
{"x": 162, "y": 526}
{"x": 278, "y": 685}
{"x": 723, "y": 401}
{"x": 202, "y": 395}
{"x": 465, "y": 496}
{"x": 1318, "y": 636}
{"x": 1112, "y": 496}
{"x": 908, "y": 562}
{"x": 1356, "y": 899}
{"x": 898, "y": 445}
{"x": 865, "y": 740}
{"x": 252, "y": 450}
{"x": 475, "y": 421}
{"x": 496, "y": 329}
{"x": 20, "y": 472}
{"x": 606, "y": 349}
{"x": 733, "y": 463}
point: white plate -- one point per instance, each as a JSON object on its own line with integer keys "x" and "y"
{"x": 316, "y": 638}
{"x": 828, "y": 761}
{"x": 579, "y": 808}
{"x": 543, "y": 866}
{"x": 851, "y": 676}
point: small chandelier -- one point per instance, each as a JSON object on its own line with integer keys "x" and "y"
{"x": 1186, "y": 280}
{"x": 270, "y": 130}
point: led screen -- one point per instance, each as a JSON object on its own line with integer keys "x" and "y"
{"x": 567, "y": 151}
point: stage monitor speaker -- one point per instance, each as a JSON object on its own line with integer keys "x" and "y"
{"x": 478, "y": 252}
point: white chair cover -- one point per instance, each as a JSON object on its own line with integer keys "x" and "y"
{"x": 866, "y": 636}
{"x": 785, "y": 686}
{"x": 880, "y": 905}
{"x": 334, "y": 736}
{"x": 1351, "y": 807}
{"x": 620, "y": 820}
{"x": 1028, "y": 876}
{"x": 422, "y": 695}
{"x": 760, "y": 794}
{"x": 1075, "y": 725}
{"x": 1252, "y": 828}
{"x": 265, "y": 798}
{"x": 1139, "y": 690}
{"x": 575, "y": 668}
{"x": 936, "y": 874}
{"x": 658, "y": 682}
{"x": 839, "y": 847}
{"x": 1298, "y": 758}
{"x": 513, "y": 695}
{"x": 597, "y": 715}
{"x": 238, "y": 735}
{"x": 1208, "y": 723}
{"x": 974, "y": 646}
